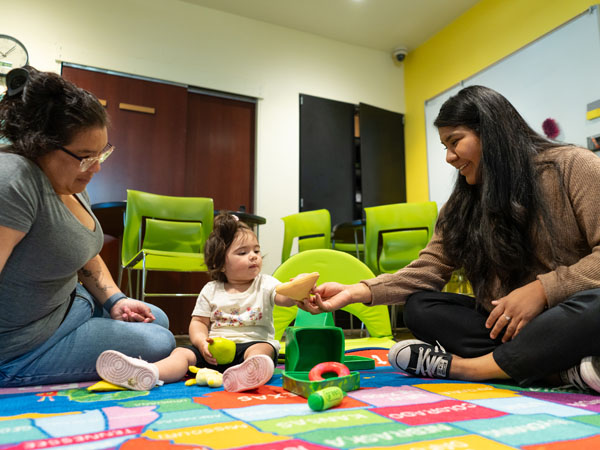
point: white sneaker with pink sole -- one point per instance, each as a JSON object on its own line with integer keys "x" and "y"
{"x": 125, "y": 371}
{"x": 252, "y": 373}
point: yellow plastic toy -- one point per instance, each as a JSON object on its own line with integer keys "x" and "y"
{"x": 205, "y": 377}
{"x": 105, "y": 386}
{"x": 299, "y": 288}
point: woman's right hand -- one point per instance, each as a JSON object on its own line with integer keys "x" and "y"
{"x": 332, "y": 296}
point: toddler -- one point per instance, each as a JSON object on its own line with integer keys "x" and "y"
{"x": 237, "y": 304}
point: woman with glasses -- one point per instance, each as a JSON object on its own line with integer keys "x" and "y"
{"x": 59, "y": 306}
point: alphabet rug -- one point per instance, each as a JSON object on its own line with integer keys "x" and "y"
{"x": 391, "y": 410}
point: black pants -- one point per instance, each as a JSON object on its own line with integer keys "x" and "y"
{"x": 240, "y": 350}
{"x": 555, "y": 340}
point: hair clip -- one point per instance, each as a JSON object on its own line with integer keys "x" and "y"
{"x": 16, "y": 80}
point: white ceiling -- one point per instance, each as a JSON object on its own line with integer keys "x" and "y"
{"x": 377, "y": 24}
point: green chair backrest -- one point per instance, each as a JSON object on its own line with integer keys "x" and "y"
{"x": 165, "y": 217}
{"x": 332, "y": 265}
{"x": 312, "y": 228}
{"x": 174, "y": 236}
{"x": 396, "y": 233}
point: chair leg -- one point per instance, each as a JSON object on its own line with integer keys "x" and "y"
{"x": 144, "y": 277}
{"x": 137, "y": 284}
{"x": 393, "y": 316}
{"x": 120, "y": 276}
{"x": 129, "y": 282}
{"x": 135, "y": 289}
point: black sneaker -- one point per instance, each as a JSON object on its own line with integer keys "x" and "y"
{"x": 420, "y": 358}
{"x": 585, "y": 376}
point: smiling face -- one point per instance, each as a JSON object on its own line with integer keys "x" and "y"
{"x": 463, "y": 151}
{"x": 62, "y": 169}
{"x": 243, "y": 261}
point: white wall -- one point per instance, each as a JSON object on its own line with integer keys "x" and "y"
{"x": 176, "y": 41}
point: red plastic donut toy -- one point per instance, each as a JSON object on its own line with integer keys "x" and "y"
{"x": 316, "y": 373}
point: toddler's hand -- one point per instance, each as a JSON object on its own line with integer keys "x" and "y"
{"x": 206, "y": 354}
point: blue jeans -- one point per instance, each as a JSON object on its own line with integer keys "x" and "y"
{"x": 70, "y": 354}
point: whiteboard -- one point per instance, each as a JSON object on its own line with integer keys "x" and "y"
{"x": 555, "y": 77}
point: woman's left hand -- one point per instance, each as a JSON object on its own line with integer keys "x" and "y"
{"x": 131, "y": 310}
{"x": 516, "y": 310}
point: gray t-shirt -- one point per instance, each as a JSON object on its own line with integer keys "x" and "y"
{"x": 41, "y": 272}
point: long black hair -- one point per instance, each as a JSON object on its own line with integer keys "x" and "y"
{"x": 41, "y": 111}
{"x": 487, "y": 228}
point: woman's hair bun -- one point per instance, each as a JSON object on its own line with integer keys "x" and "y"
{"x": 16, "y": 80}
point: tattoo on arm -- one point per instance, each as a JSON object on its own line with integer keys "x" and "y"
{"x": 95, "y": 278}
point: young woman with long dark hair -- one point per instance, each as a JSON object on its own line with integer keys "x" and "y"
{"x": 523, "y": 221}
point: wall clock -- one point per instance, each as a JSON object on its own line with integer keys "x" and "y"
{"x": 12, "y": 54}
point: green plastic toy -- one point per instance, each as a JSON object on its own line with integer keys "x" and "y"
{"x": 326, "y": 398}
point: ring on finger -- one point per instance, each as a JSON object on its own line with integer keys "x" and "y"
{"x": 507, "y": 318}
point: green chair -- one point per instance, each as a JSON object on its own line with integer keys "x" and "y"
{"x": 396, "y": 233}
{"x": 311, "y": 228}
{"x": 164, "y": 233}
{"x": 333, "y": 265}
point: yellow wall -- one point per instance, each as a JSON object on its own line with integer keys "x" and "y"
{"x": 489, "y": 31}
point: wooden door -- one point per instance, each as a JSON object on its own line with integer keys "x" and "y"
{"x": 150, "y": 146}
{"x": 150, "y": 125}
{"x": 220, "y": 150}
{"x": 149, "y": 156}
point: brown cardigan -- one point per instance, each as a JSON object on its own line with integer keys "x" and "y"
{"x": 575, "y": 208}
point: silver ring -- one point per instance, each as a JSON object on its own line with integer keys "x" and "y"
{"x": 507, "y": 318}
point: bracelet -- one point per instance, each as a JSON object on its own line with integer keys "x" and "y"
{"x": 110, "y": 302}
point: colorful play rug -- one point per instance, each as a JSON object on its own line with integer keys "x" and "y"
{"x": 390, "y": 410}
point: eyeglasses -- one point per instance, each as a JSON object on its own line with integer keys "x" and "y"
{"x": 86, "y": 162}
